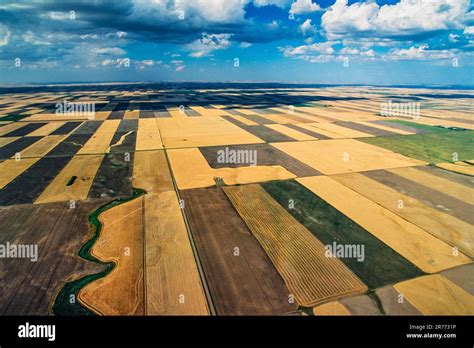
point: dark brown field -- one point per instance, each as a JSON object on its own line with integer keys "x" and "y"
{"x": 240, "y": 285}
{"x": 29, "y": 288}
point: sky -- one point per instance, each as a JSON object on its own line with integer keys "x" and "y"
{"x": 378, "y": 42}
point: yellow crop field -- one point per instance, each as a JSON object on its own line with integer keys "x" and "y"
{"x": 297, "y": 255}
{"x": 148, "y": 135}
{"x": 458, "y": 167}
{"x": 121, "y": 241}
{"x": 11, "y": 168}
{"x": 151, "y": 172}
{"x": 448, "y": 187}
{"x": 436, "y": 295}
{"x": 84, "y": 168}
{"x": 344, "y": 156}
{"x": 202, "y": 131}
{"x": 331, "y": 308}
{"x": 418, "y": 246}
{"x": 292, "y": 133}
{"x": 186, "y": 161}
{"x": 173, "y": 286}
{"x": 100, "y": 140}
{"x": 46, "y": 129}
{"x": 446, "y": 227}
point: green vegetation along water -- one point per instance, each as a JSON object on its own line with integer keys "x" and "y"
{"x": 63, "y": 304}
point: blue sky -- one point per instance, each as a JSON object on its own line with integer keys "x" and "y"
{"x": 298, "y": 41}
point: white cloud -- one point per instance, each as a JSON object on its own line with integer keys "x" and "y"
{"x": 453, "y": 38}
{"x": 321, "y": 48}
{"x": 304, "y": 6}
{"x": 4, "y": 35}
{"x": 418, "y": 53}
{"x": 307, "y": 28}
{"x": 273, "y": 25}
{"x": 209, "y": 43}
{"x": 245, "y": 45}
{"x": 468, "y": 30}
{"x": 117, "y": 63}
{"x": 196, "y": 12}
{"x": 278, "y": 3}
{"x": 349, "y": 51}
{"x": 32, "y": 38}
{"x": 407, "y": 17}
{"x": 180, "y": 68}
{"x": 109, "y": 51}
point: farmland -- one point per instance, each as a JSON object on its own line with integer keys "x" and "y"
{"x": 230, "y": 199}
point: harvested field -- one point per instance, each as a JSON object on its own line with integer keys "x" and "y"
{"x": 296, "y": 253}
{"x": 29, "y": 288}
{"x": 449, "y": 229}
{"x": 74, "y": 181}
{"x": 462, "y": 276}
{"x": 10, "y": 127}
{"x": 46, "y": 129}
{"x": 331, "y": 308}
{"x": 148, "y": 135}
{"x": 432, "y": 197}
{"x": 27, "y": 186}
{"x": 170, "y": 268}
{"x": 121, "y": 292}
{"x": 343, "y": 131}
{"x": 113, "y": 178}
{"x": 436, "y": 295}
{"x": 151, "y": 172}
{"x": 9, "y": 150}
{"x": 291, "y": 132}
{"x": 266, "y": 155}
{"x": 67, "y": 128}
{"x": 185, "y": 160}
{"x": 419, "y": 247}
{"x": 307, "y": 129}
{"x": 381, "y": 264}
{"x": 172, "y": 282}
{"x": 433, "y": 148}
{"x": 11, "y": 168}
{"x": 365, "y": 128}
{"x": 246, "y": 284}
{"x": 329, "y": 156}
{"x": 25, "y": 130}
{"x": 100, "y": 142}
{"x": 458, "y": 167}
{"x": 453, "y": 189}
{"x": 42, "y": 146}
{"x": 179, "y": 132}
{"x": 266, "y": 134}
{"x": 390, "y": 305}
{"x": 451, "y": 176}
{"x": 6, "y": 141}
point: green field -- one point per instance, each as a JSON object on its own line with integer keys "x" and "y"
{"x": 439, "y": 146}
{"x": 382, "y": 265}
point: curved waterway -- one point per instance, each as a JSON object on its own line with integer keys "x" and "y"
{"x": 62, "y": 305}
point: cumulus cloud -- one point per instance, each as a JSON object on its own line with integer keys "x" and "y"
{"x": 418, "y": 53}
{"x": 405, "y": 18}
{"x": 304, "y": 6}
{"x": 209, "y": 43}
{"x": 307, "y": 28}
